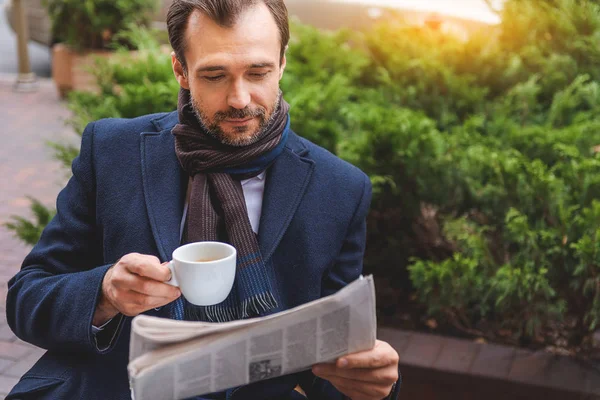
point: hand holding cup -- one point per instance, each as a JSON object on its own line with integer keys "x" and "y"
{"x": 136, "y": 283}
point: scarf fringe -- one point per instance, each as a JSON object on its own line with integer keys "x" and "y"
{"x": 251, "y": 307}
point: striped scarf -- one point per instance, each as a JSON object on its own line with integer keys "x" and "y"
{"x": 217, "y": 209}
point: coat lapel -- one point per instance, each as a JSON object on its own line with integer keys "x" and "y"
{"x": 164, "y": 183}
{"x": 287, "y": 181}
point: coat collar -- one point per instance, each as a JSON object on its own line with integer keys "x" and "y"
{"x": 165, "y": 185}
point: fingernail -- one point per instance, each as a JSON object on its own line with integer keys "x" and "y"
{"x": 343, "y": 363}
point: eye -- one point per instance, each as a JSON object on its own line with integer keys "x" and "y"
{"x": 214, "y": 78}
{"x": 259, "y": 75}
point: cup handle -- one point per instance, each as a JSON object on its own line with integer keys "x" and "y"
{"x": 173, "y": 280}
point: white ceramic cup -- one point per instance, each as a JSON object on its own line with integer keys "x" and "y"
{"x": 204, "y": 271}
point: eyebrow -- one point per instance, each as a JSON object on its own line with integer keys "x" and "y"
{"x": 262, "y": 65}
{"x": 212, "y": 68}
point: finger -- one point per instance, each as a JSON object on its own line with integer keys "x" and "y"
{"x": 148, "y": 266}
{"x": 153, "y": 288}
{"x": 346, "y": 389}
{"x": 356, "y": 391}
{"x": 128, "y": 303}
{"x": 380, "y": 356}
{"x": 384, "y": 376}
{"x": 132, "y": 303}
{"x": 147, "y": 302}
{"x": 126, "y": 280}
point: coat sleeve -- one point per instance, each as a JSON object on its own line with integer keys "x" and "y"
{"x": 51, "y": 301}
{"x": 348, "y": 265}
{"x": 347, "y": 268}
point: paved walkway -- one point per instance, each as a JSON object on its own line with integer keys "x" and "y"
{"x": 26, "y": 169}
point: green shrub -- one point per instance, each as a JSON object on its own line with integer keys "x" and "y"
{"x": 94, "y": 24}
{"x": 30, "y": 231}
{"x": 415, "y": 70}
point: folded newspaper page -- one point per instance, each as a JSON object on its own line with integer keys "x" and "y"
{"x": 179, "y": 359}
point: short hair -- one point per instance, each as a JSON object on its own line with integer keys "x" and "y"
{"x": 223, "y": 12}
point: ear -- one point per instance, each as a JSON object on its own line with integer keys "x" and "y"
{"x": 282, "y": 67}
{"x": 179, "y": 72}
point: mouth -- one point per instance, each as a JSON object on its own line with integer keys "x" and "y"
{"x": 238, "y": 122}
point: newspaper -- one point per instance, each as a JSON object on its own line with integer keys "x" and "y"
{"x": 179, "y": 359}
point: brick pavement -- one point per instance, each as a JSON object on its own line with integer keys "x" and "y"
{"x": 27, "y": 168}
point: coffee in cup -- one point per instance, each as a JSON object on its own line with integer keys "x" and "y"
{"x": 204, "y": 271}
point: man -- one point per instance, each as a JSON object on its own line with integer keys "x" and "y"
{"x": 225, "y": 167}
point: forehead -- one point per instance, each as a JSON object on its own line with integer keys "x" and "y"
{"x": 254, "y": 37}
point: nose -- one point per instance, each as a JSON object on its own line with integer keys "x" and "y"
{"x": 239, "y": 96}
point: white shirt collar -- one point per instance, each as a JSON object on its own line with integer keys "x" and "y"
{"x": 259, "y": 177}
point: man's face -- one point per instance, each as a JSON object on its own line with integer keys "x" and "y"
{"x": 233, "y": 74}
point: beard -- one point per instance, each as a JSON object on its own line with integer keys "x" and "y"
{"x": 240, "y": 136}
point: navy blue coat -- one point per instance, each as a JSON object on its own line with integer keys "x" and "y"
{"x": 127, "y": 195}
